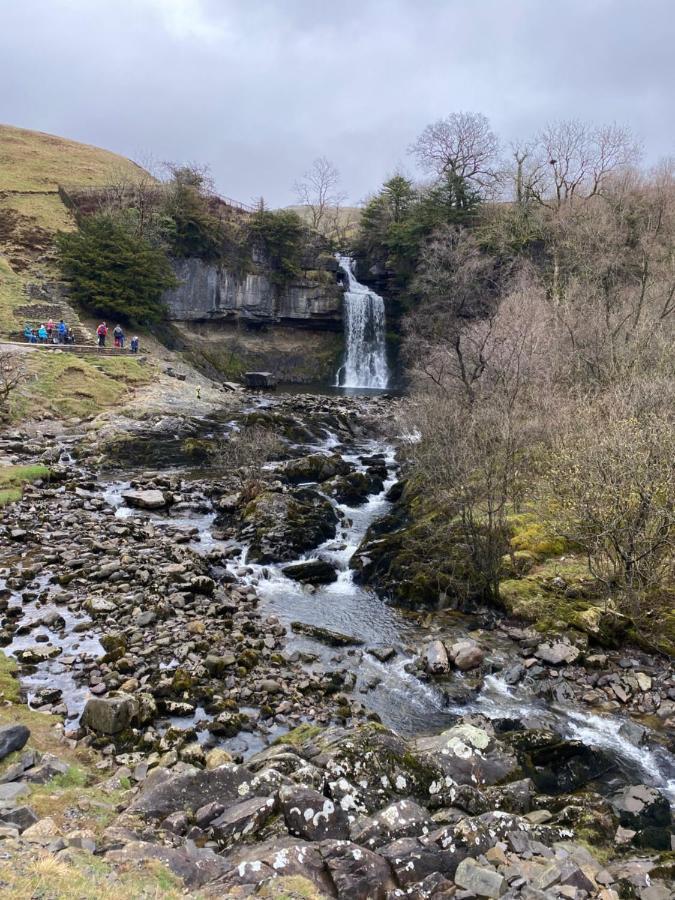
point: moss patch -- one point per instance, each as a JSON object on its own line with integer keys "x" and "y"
{"x": 530, "y": 534}
{"x": 299, "y": 735}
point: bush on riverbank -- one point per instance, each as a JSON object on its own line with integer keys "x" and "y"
{"x": 540, "y": 353}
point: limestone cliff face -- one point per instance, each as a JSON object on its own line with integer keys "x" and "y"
{"x": 209, "y": 292}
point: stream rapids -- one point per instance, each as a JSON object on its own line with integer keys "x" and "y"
{"x": 381, "y": 671}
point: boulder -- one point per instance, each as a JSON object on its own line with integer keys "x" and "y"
{"x": 194, "y": 866}
{"x": 467, "y": 755}
{"x": 436, "y": 660}
{"x": 483, "y": 881}
{"x": 12, "y": 737}
{"x": 356, "y": 872}
{"x": 355, "y": 488}
{"x": 310, "y": 815}
{"x": 413, "y": 861}
{"x": 277, "y": 858}
{"x": 283, "y": 526}
{"x": 645, "y": 811}
{"x": 311, "y": 571}
{"x": 557, "y": 654}
{"x": 383, "y": 654}
{"x": 466, "y": 655}
{"x": 150, "y": 499}
{"x": 398, "y": 820}
{"x": 369, "y": 767}
{"x": 557, "y": 766}
{"x": 242, "y": 820}
{"x": 260, "y": 380}
{"x": 316, "y": 467}
{"x": 21, "y": 817}
{"x": 111, "y": 714}
{"x": 228, "y": 784}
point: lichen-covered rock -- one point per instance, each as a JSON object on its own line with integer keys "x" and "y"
{"x": 242, "y": 820}
{"x": 370, "y": 766}
{"x": 228, "y": 784}
{"x": 277, "y": 858}
{"x": 468, "y": 755}
{"x": 356, "y": 872}
{"x": 310, "y": 815}
{"x": 402, "y": 819}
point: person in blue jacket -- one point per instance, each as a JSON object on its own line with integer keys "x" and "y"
{"x": 42, "y": 334}
{"x": 63, "y": 331}
{"x": 28, "y": 334}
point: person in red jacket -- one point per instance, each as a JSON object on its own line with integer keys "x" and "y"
{"x": 102, "y": 331}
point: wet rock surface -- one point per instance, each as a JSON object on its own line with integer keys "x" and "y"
{"x": 246, "y": 736}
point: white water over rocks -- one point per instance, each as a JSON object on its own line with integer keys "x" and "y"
{"x": 365, "y": 364}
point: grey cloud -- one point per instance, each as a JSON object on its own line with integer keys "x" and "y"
{"x": 257, "y": 89}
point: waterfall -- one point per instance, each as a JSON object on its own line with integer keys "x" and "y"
{"x": 365, "y": 364}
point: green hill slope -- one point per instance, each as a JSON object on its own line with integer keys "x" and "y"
{"x": 32, "y": 166}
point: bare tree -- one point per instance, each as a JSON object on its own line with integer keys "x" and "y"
{"x": 574, "y": 161}
{"x": 319, "y": 191}
{"x": 463, "y": 145}
{"x": 12, "y": 375}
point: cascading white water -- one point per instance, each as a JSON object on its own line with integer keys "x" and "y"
{"x": 365, "y": 364}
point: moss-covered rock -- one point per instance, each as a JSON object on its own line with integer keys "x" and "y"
{"x": 282, "y": 526}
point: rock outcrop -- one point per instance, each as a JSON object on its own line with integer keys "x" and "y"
{"x": 209, "y": 292}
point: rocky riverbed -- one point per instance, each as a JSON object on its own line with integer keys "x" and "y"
{"x": 191, "y": 613}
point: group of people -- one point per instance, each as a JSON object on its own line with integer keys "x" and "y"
{"x": 49, "y": 333}
{"x": 118, "y": 337}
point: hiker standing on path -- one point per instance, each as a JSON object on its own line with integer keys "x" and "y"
{"x": 102, "y": 331}
{"x": 50, "y": 328}
{"x": 118, "y": 334}
{"x": 63, "y": 331}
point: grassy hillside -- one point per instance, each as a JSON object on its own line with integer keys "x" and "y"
{"x": 32, "y": 166}
{"x": 34, "y": 161}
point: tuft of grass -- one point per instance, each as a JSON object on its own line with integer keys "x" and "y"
{"x": 13, "y": 478}
{"x": 84, "y": 875}
{"x": 9, "y": 683}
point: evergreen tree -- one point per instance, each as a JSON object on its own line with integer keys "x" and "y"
{"x": 112, "y": 273}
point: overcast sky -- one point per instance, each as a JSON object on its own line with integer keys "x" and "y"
{"x": 256, "y": 89}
